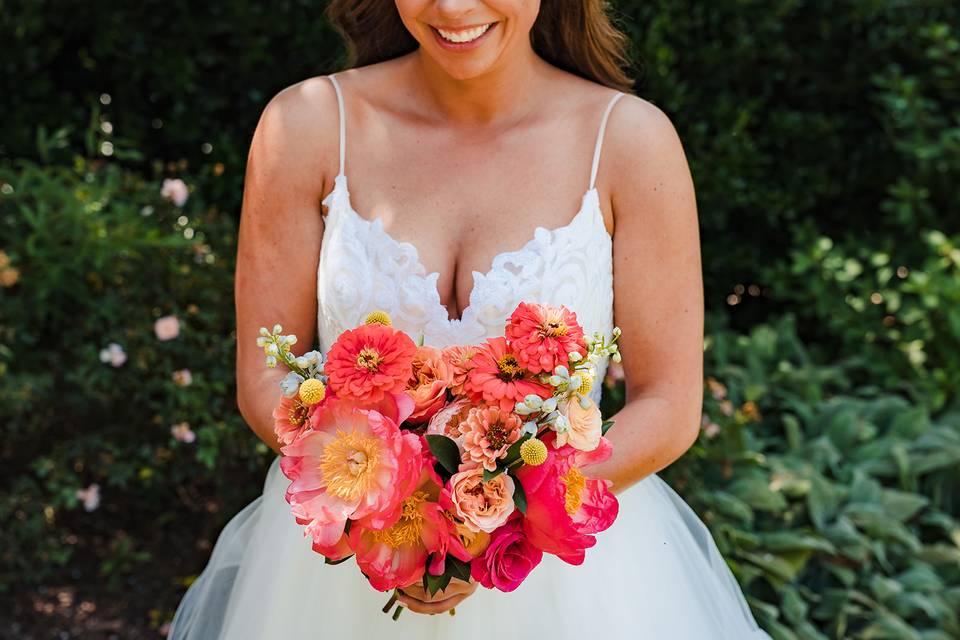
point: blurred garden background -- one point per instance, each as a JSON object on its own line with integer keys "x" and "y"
{"x": 824, "y": 141}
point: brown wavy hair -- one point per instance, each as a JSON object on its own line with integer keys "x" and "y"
{"x": 575, "y": 35}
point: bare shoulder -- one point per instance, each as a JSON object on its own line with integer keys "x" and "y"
{"x": 645, "y": 163}
{"x": 297, "y": 135}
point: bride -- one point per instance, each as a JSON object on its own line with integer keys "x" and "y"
{"x": 471, "y": 132}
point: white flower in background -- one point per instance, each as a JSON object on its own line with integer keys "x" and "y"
{"x": 181, "y": 432}
{"x": 114, "y": 354}
{"x": 167, "y": 327}
{"x": 90, "y": 497}
{"x": 182, "y": 378}
{"x": 175, "y": 190}
{"x": 709, "y": 427}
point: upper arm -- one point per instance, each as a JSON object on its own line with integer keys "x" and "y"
{"x": 293, "y": 148}
{"x": 658, "y": 283}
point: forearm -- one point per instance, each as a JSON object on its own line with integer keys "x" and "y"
{"x": 257, "y": 397}
{"x": 648, "y": 434}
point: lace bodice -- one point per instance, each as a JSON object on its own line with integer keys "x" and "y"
{"x": 363, "y": 268}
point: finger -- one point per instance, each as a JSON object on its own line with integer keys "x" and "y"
{"x": 417, "y": 591}
{"x": 439, "y": 606}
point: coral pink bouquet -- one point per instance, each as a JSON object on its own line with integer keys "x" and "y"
{"x": 428, "y": 464}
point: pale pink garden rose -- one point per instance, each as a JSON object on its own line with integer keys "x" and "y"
{"x": 167, "y": 327}
{"x": 710, "y": 428}
{"x": 113, "y": 354}
{"x": 175, "y": 190}
{"x": 483, "y": 506}
{"x": 446, "y": 422}
{"x": 182, "y": 432}
{"x": 90, "y": 497}
{"x": 586, "y": 425}
{"x": 182, "y": 377}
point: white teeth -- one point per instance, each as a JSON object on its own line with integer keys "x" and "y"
{"x": 466, "y": 35}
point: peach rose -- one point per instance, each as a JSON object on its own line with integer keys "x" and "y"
{"x": 446, "y": 421}
{"x": 428, "y": 384}
{"x": 483, "y": 506}
{"x": 586, "y": 425}
{"x": 458, "y": 357}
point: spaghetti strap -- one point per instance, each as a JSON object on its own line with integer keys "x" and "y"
{"x": 343, "y": 141}
{"x": 603, "y": 126}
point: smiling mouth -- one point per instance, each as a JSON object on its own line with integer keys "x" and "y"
{"x": 463, "y": 36}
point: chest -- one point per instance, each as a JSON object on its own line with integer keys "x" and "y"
{"x": 462, "y": 199}
{"x": 363, "y": 268}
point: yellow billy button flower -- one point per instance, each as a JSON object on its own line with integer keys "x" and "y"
{"x": 378, "y": 317}
{"x": 533, "y": 452}
{"x": 312, "y": 391}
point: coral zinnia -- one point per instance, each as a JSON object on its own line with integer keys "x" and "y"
{"x": 542, "y": 336}
{"x": 370, "y": 361}
{"x": 498, "y": 378}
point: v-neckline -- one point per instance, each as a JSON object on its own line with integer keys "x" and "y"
{"x": 340, "y": 183}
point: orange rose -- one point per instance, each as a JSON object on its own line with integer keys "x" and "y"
{"x": 458, "y": 358}
{"x": 428, "y": 384}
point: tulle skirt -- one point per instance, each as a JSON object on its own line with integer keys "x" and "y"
{"x": 656, "y": 573}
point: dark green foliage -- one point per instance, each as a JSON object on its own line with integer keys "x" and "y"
{"x": 824, "y": 141}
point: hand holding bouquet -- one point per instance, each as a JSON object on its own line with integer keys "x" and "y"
{"x": 425, "y": 464}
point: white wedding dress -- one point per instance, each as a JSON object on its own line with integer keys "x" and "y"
{"x": 656, "y": 573}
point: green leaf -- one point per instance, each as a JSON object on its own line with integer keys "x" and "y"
{"x": 436, "y": 583}
{"x": 513, "y": 452}
{"x": 445, "y": 450}
{"x": 490, "y": 475}
{"x": 329, "y": 561}
{"x": 605, "y": 427}
{"x": 519, "y": 495}
{"x": 458, "y": 568}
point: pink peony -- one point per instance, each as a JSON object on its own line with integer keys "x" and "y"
{"x": 353, "y": 463}
{"x": 396, "y": 556}
{"x": 483, "y": 506}
{"x": 369, "y": 362}
{"x": 488, "y": 431}
{"x": 508, "y": 560}
{"x": 428, "y": 384}
{"x": 542, "y": 336}
{"x": 565, "y": 507}
{"x": 497, "y": 377}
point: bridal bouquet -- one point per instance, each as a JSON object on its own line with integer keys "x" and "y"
{"x": 469, "y": 461}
